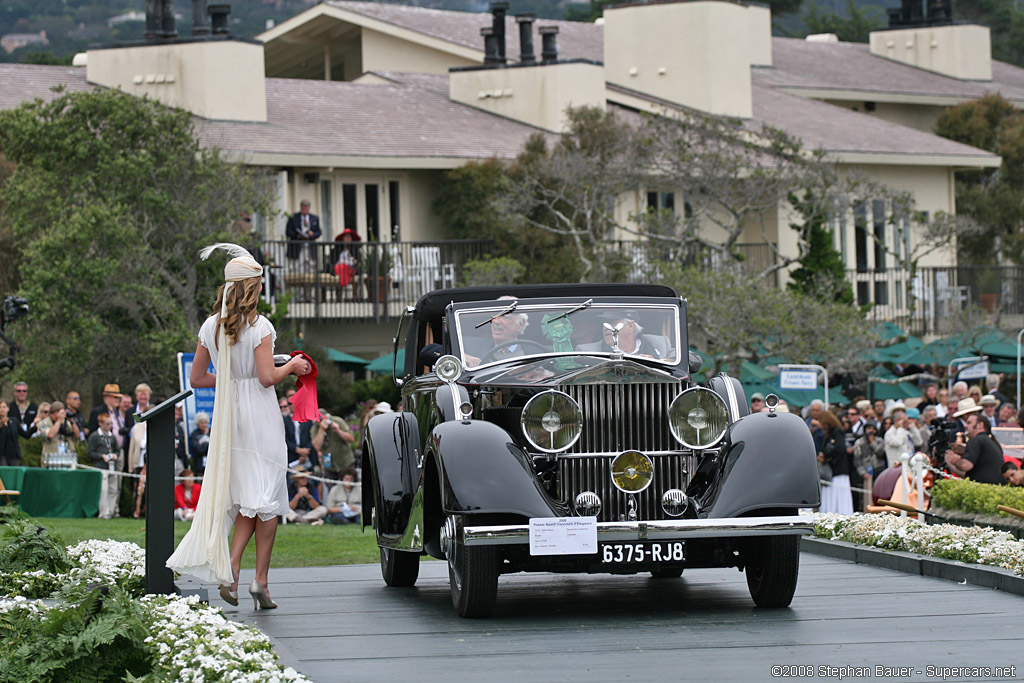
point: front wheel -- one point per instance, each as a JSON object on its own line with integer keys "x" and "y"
{"x": 400, "y": 570}
{"x": 771, "y": 565}
{"x": 472, "y": 574}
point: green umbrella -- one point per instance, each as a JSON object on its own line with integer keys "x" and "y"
{"x": 346, "y": 358}
{"x": 754, "y": 372}
{"x": 386, "y": 364}
{"x": 908, "y": 389}
{"x": 887, "y": 331}
{"x": 791, "y": 397}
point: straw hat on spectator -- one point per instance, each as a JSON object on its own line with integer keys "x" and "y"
{"x": 989, "y": 400}
{"x": 111, "y": 390}
{"x": 382, "y": 407}
{"x": 966, "y": 406}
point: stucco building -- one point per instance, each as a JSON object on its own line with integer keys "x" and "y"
{"x": 361, "y": 107}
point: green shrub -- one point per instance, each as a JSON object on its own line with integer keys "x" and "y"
{"x": 970, "y": 496}
{"x": 380, "y": 387}
{"x": 26, "y": 547}
{"x": 502, "y": 270}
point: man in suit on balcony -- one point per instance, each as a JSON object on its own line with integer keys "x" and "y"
{"x": 302, "y": 226}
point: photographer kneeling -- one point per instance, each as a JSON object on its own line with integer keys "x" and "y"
{"x": 981, "y": 459}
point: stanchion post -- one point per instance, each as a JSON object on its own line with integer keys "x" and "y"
{"x": 160, "y": 493}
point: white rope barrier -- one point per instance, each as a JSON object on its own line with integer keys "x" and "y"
{"x": 199, "y": 478}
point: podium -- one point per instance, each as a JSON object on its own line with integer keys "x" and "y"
{"x": 160, "y": 491}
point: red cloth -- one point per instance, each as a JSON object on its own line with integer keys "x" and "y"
{"x": 179, "y": 497}
{"x": 344, "y": 273}
{"x": 304, "y": 400}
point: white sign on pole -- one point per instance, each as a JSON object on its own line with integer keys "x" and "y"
{"x": 973, "y": 370}
{"x": 803, "y": 380}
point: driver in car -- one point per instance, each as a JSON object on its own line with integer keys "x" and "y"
{"x": 632, "y": 340}
{"x": 505, "y": 331}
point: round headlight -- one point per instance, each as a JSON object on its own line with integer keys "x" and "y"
{"x": 448, "y": 368}
{"x": 552, "y": 421}
{"x": 698, "y": 418}
{"x": 632, "y": 471}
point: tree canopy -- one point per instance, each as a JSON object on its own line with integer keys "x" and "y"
{"x": 108, "y": 199}
{"x": 994, "y": 198}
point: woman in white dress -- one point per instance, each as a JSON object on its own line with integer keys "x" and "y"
{"x": 245, "y": 478}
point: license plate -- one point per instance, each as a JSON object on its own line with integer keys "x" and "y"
{"x": 638, "y": 553}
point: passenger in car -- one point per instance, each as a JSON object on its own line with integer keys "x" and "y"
{"x": 632, "y": 340}
{"x": 505, "y": 332}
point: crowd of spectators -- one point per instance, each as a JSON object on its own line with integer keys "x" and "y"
{"x": 857, "y": 443}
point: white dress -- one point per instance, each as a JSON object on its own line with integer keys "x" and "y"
{"x": 258, "y": 485}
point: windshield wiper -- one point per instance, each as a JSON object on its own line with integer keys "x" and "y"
{"x": 585, "y": 304}
{"x": 511, "y": 307}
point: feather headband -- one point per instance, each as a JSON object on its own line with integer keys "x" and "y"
{"x": 242, "y": 265}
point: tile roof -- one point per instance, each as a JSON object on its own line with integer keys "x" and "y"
{"x": 22, "y": 82}
{"x": 837, "y": 130}
{"x": 329, "y": 118}
{"x": 412, "y": 118}
{"x": 576, "y": 40}
{"x": 798, "y": 63}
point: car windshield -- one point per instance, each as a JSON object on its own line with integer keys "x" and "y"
{"x": 493, "y": 333}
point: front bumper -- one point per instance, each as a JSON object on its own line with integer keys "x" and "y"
{"x": 655, "y": 530}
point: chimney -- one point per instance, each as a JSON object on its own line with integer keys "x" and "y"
{"x": 932, "y": 42}
{"x": 526, "y": 55}
{"x": 499, "y": 10}
{"x": 200, "y": 26}
{"x": 219, "y": 18}
{"x": 549, "y": 44}
{"x": 168, "y": 27}
{"x": 491, "y": 56}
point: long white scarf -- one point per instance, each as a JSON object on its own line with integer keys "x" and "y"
{"x": 204, "y": 552}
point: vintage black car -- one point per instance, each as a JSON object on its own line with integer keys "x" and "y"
{"x": 557, "y": 428}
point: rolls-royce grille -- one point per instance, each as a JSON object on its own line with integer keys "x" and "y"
{"x": 617, "y": 417}
{"x": 593, "y": 473}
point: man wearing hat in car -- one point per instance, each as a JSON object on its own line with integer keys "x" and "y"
{"x": 981, "y": 459}
{"x": 631, "y": 339}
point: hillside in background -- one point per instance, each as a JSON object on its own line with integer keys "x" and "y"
{"x": 71, "y": 26}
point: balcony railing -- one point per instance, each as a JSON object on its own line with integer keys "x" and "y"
{"x": 935, "y": 299}
{"x": 363, "y": 280}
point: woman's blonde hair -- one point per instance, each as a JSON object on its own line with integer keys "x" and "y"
{"x": 240, "y": 309}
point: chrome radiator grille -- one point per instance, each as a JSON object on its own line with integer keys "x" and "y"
{"x": 618, "y": 417}
{"x": 593, "y": 473}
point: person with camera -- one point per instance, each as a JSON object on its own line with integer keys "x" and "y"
{"x": 303, "y": 500}
{"x": 333, "y": 441}
{"x": 59, "y": 437}
{"x": 102, "y": 451}
{"x": 869, "y": 454}
{"x": 903, "y": 437}
{"x": 981, "y": 458}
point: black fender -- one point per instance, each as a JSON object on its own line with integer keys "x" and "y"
{"x": 482, "y": 470}
{"x": 769, "y": 462}
{"x": 392, "y": 447}
{"x": 731, "y": 391}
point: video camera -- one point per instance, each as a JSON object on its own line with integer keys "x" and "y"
{"x": 13, "y": 308}
{"x": 944, "y": 433}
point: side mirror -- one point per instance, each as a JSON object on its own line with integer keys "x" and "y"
{"x": 695, "y": 362}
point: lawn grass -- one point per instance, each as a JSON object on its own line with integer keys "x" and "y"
{"x": 297, "y": 545}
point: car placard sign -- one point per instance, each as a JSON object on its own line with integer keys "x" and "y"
{"x": 563, "y": 535}
{"x": 972, "y": 369}
{"x": 801, "y": 380}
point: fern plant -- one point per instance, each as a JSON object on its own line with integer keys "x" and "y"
{"x": 26, "y": 546}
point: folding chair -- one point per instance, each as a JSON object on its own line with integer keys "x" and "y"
{"x": 7, "y": 493}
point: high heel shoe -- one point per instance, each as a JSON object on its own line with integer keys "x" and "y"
{"x": 260, "y": 597}
{"x": 229, "y": 596}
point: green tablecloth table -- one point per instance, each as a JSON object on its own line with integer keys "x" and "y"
{"x": 55, "y": 493}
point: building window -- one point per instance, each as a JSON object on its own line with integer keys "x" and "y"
{"x": 394, "y": 211}
{"x": 349, "y": 208}
{"x": 860, "y": 232}
{"x": 878, "y": 222}
{"x": 326, "y": 214}
{"x": 372, "y": 212}
{"x": 657, "y": 201}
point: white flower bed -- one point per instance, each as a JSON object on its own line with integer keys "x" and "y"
{"x": 980, "y": 545}
{"x": 191, "y": 642}
{"x": 195, "y": 643}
